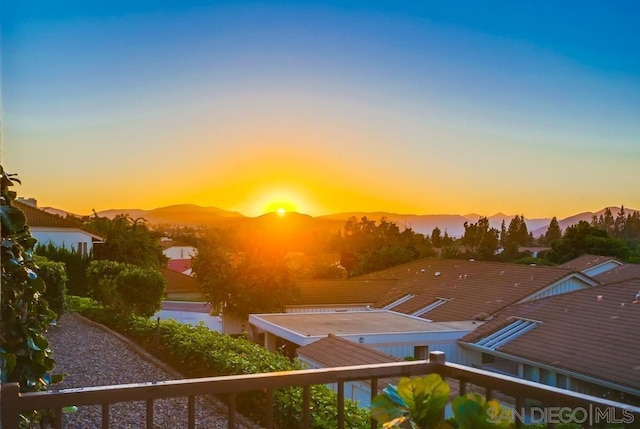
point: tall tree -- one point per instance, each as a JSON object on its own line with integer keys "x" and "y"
{"x": 553, "y": 232}
{"x": 436, "y": 237}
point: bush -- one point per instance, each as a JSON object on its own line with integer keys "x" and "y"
{"x": 126, "y": 289}
{"x": 75, "y": 265}
{"x": 196, "y": 351}
{"x": 55, "y": 277}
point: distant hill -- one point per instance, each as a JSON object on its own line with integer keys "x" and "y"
{"x": 586, "y": 216}
{"x": 298, "y": 224}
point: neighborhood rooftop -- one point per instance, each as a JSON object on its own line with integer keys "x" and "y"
{"x": 593, "y": 332}
{"x": 449, "y": 289}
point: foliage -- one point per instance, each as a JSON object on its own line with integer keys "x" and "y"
{"x": 252, "y": 282}
{"x": 553, "y": 232}
{"x": 127, "y": 240}
{"x": 517, "y": 232}
{"x": 75, "y": 266}
{"x": 584, "y": 238}
{"x": 472, "y": 411}
{"x": 419, "y": 401}
{"x": 25, "y": 355}
{"x": 126, "y": 289}
{"x": 480, "y": 239}
{"x": 366, "y": 246}
{"x": 196, "y": 351}
{"x": 54, "y": 275}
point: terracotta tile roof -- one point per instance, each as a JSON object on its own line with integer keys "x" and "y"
{"x": 179, "y": 265}
{"x": 342, "y": 292}
{"x": 579, "y": 332}
{"x": 623, "y": 272}
{"x": 178, "y": 282}
{"x": 333, "y": 351}
{"x": 40, "y": 218}
{"x": 585, "y": 262}
{"x": 474, "y": 289}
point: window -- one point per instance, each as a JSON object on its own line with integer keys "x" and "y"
{"x": 82, "y": 248}
{"x": 437, "y": 303}
{"x": 398, "y": 302}
{"x": 506, "y": 334}
{"x": 420, "y": 352}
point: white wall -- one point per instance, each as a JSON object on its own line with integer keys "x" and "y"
{"x": 63, "y": 238}
{"x": 179, "y": 252}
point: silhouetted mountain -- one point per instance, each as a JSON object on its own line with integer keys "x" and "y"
{"x": 298, "y": 225}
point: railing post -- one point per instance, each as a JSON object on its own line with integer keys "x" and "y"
{"x": 440, "y": 359}
{"x": 9, "y": 408}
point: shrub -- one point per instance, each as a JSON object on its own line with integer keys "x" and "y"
{"x": 196, "y": 351}
{"x": 75, "y": 264}
{"x": 55, "y": 277}
{"x": 124, "y": 288}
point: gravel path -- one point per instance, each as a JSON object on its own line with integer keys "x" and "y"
{"x": 92, "y": 356}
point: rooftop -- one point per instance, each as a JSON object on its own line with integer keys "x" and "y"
{"x": 342, "y": 292}
{"x": 466, "y": 289}
{"x": 585, "y": 262}
{"x": 600, "y": 324}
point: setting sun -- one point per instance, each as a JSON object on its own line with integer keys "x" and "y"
{"x": 281, "y": 211}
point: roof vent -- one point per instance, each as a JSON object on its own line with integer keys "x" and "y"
{"x": 437, "y": 274}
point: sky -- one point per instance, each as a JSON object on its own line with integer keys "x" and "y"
{"x": 455, "y": 107}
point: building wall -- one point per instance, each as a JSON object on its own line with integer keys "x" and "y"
{"x": 72, "y": 239}
{"x": 567, "y": 285}
{"x": 179, "y": 252}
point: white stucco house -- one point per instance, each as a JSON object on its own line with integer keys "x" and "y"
{"x": 49, "y": 228}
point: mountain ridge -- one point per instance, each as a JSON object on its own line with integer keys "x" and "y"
{"x": 453, "y": 224}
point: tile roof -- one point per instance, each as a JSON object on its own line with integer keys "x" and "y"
{"x": 333, "y": 351}
{"x": 179, "y": 265}
{"x": 178, "y": 282}
{"x": 585, "y": 262}
{"x": 474, "y": 289}
{"x": 342, "y": 292}
{"x": 623, "y": 272}
{"x": 595, "y": 332}
{"x": 40, "y": 218}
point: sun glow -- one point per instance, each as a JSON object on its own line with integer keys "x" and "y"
{"x": 281, "y": 211}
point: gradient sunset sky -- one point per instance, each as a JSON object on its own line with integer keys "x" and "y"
{"x": 321, "y": 107}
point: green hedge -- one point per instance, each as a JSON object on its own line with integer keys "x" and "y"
{"x": 55, "y": 278}
{"x": 196, "y": 351}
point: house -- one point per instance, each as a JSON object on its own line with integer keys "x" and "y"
{"x": 334, "y": 351}
{"x": 586, "y": 341}
{"x": 592, "y": 265}
{"x": 179, "y": 255}
{"x": 392, "y": 333}
{"x": 49, "y": 228}
{"x": 180, "y": 285}
{"x": 453, "y": 290}
{"x": 621, "y": 272}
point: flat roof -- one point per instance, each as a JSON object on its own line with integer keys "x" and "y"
{"x": 358, "y": 322}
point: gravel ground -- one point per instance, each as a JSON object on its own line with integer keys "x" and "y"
{"x": 92, "y": 356}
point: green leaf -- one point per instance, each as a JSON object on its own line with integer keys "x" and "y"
{"x": 12, "y": 218}
{"x": 472, "y": 411}
{"x": 32, "y": 345}
{"x": 426, "y": 398}
{"x": 385, "y": 409}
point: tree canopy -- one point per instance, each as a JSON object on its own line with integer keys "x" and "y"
{"x": 244, "y": 283}
{"x": 127, "y": 240}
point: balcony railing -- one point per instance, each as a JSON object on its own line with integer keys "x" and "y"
{"x": 13, "y": 402}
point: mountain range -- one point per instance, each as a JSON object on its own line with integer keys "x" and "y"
{"x": 194, "y": 215}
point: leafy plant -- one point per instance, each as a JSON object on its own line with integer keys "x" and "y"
{"x": 415, "y": 402}
{"x": 25, "y": 355}
{"x": 418, "y": 403}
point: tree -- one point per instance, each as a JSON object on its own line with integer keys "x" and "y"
{"x": 436, "y": 237}
{"x": 553, "y": 232}
{"x": 127, "y": 240}
{"x": 517, "y": 231}
{"x": 241, "y": 284}
{"x": 367, "y": 247}
{"x": 584, "y": 238}
{"x": 125, "y": 288}
{"x": 25, "y": 355}
{"x": 480, "y": 239}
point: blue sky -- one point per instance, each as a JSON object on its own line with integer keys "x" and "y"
{"x": 456, "y": 107}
